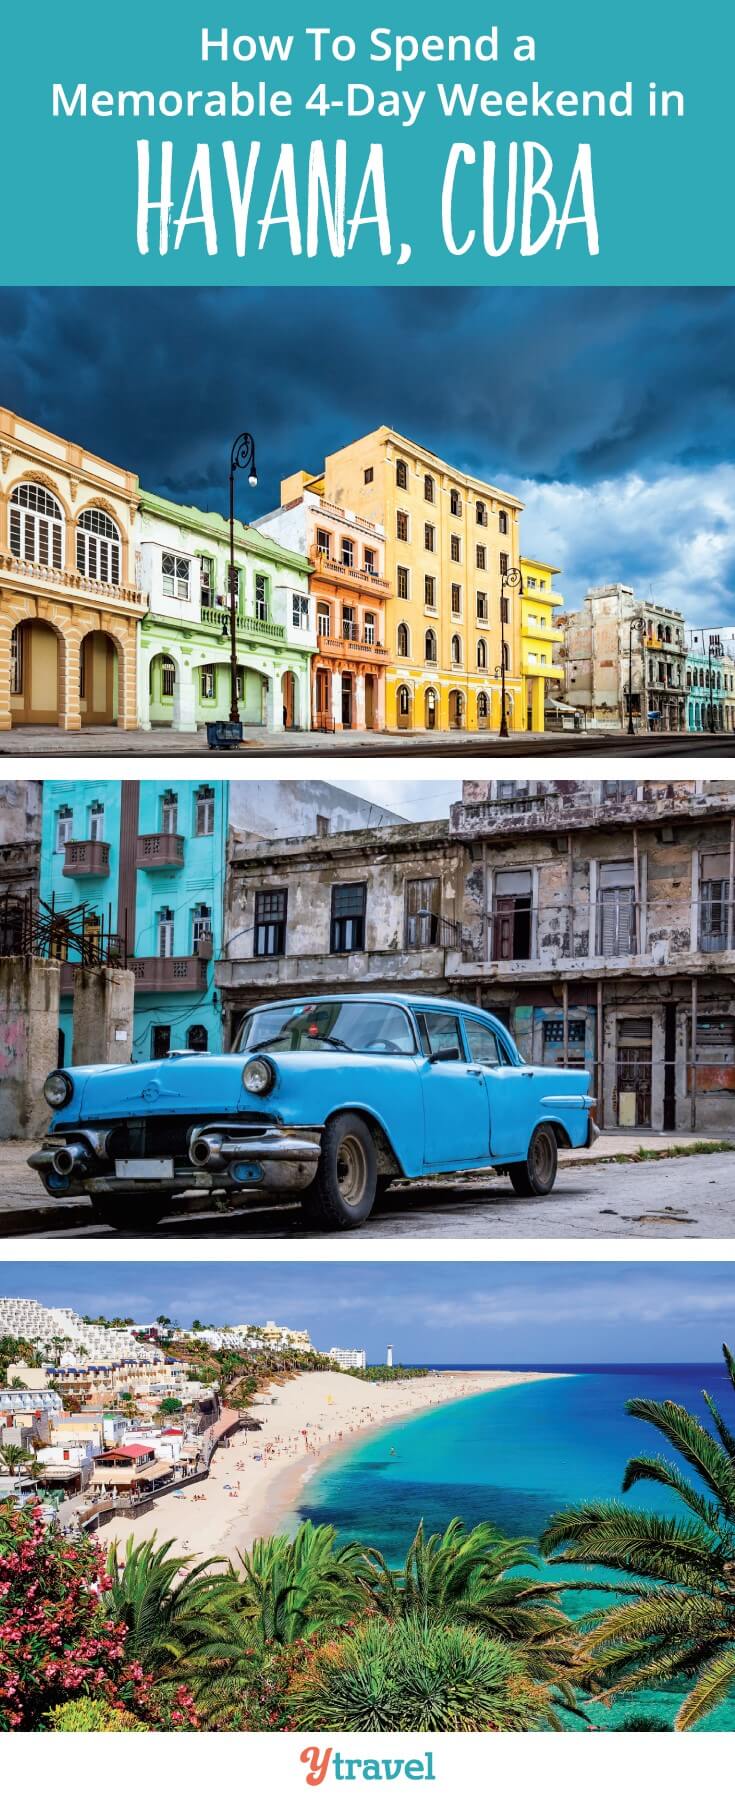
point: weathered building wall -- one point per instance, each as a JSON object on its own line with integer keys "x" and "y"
{"x": 29, "y": 1016}
{"x": 103, "y": 1015}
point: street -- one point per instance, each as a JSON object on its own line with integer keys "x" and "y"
{"x": 690, "y": 1195}
{"x": 108, "y": 741}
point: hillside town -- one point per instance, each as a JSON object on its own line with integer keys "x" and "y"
{"x": 389, "y": 593}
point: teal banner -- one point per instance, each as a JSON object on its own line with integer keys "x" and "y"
{"x": 192, "y": 141}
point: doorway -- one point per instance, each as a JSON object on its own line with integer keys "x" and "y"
{"x": 347, "y": 702}
{"x": 98, "y": 679}
{"x": 34, "y": 698}
{"x": 634, "y": 1072}
{"x": 160, "y": 1041}
{"x": 370, "y": 703}
{"x": 288, "y": 692}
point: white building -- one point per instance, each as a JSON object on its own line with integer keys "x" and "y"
{"x": 348, "y": 1359}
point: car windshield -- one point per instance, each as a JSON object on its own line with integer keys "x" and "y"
{"x": 372, "y": 1026}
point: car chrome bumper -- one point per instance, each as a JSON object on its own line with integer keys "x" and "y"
{"x": 224, "y": 1156}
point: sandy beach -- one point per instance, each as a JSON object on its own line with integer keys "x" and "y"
{"x": 255, "y": 1478}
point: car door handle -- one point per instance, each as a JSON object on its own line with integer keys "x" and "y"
{"x": 478, "y": 1073}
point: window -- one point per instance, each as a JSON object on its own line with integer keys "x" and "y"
{"x": 300, "y": 612}
{"x": 430, "y": 592}
{"x": 503, "y": 523}
{"x": 96, "y": 822}
{"x": 16, "y": 660}
{"x": 64, "y": 825}
{"x": 348, "y": 553}
{"x": 323, "y": 619}
{"x": 480, "y": 556}
{"x": 206, "y": 580}
{"x": 456, "y": 649}
{"x": 197, "y": 1038}
{"x": 261, "y": 598}
{"x": 403, "y": 641}
{"x": 482, "y": 710}
{"x": 270, "y": 922}
{"x": 511, "y": 922}
{"x": 98, "y": 546}
{"x": 455, "y": 549}
{"x": 370, "y": 561}
{"x": 369, "y": 628}
{"x": 204, "y": 812}
{"x": 36, "y": 525}
{"x": 483, "y": 1044}
{"x": 402, "y": 527}
{"x": 480, "y": 512}
{"x": 504, "y": 610}
{"x": 503, "y": 563}
{"x": 168, "y": 676}
{"x": 404, "y": 702}
{"x": 430, "y": 647}
{"x": 456, "y": 599}
{"x": 349, "y": 628}
{"x": 175, "y": 575}
{"x": 367, "y": 476}
{"x": 170, "y": 811}
{"x": 429, "y": 537}
{"x": 714, "y": 895}
{"x": 481, "y": 605}
{"x": 422, "y": 912}
{"x": 160, "y": 1041}
{"x": 165, "y": 931}
{"x": 401, "y": 474}
{"x": 348, "y": 917}
{"x": 616, "y": 932}
{"x": 506, "y": 658}
{"x": 429, "y": 489}
{"x": 233, "y": 579}
{"x": 323, "y": 542}
{"x": 201, "y": 926}
{"x": 206, "y": 681}
{"x": 372, "y": 1026}
{"x": 440, "y": 1036}
{"x": 402, "y": 582}
{"x": 455, "y": 503}
{"x": 481, "y": 653}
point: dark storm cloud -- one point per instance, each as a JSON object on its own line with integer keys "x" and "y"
{"x": 610, "y": 411}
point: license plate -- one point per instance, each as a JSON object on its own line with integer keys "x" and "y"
{"x": 145, "y": 1168}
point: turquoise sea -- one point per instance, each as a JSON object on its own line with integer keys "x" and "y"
{"x": 515, "y": 1457}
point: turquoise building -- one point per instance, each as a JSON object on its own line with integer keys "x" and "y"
{"x": 143, "y": 863}
{"x": 710, "y": 680}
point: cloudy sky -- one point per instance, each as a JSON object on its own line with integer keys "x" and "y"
{"x": 610, "y": 412}
{"x": 501, "y": 1313}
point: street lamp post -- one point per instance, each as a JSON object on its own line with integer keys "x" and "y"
{"x": 640, "y": 625}
{"x": 242, "y": 456}
{"x": 512, "y": 578}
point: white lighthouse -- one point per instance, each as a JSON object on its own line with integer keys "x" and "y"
{"x": 389, "y": 1357}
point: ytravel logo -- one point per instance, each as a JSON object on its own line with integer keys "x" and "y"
{"x": 329, "y": 1762}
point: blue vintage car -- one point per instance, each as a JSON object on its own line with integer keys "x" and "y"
{"x": 332, "y": 1097}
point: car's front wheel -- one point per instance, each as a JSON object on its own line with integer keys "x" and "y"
{"x": 536, "y": 1176}
{"x": 342, "y": 1193}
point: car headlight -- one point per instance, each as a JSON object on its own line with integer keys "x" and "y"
{"x": 58, "y": 1089}
{"x": 258, "y": 1075}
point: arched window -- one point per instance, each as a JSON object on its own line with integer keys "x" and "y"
{"x": 429, "y": 488}
{"x": 168, "y": 676}
{"x": 506, "y": 657}
{"x": 98, "y": 546}
{"x": 456, "y": 649}
{"x": 482, "y": 706}
{"x": 455, "y": 503}
{"x": 403, "y": 641}
{"x": 404, "y": 702}
{"x": 401, "y": 474}
{"x": 481, "y": 653}
{"x": 36, "y": 525}
{"x": 430, "y": 647}
{"x": 197, "y": 1037}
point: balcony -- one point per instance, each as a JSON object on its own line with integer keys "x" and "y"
{"x": 69, "y": 584}
{"x": 160, "y": 850}
{"x": 170, "y": 974}
{"x": 354, "y": 649}
{"x": 550, "y": 671}
{"x": 246, "y": 624}
{"x": 364, "y": 578}
{"x": 86, "y": 856}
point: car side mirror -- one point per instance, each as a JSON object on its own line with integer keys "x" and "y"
{"x": 448, "y": 1054}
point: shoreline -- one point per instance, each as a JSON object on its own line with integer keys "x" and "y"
{"x": 265, "y": 1475}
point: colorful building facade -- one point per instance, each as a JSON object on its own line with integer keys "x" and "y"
{"x": 184, "y": 665}
{"x": 539, "y": 636}
{"x": 449, "y": 541}
{"x": 347, "y": 554}
{"x": 710, "y": 682}
{"x": 145, "y": 861}
{"x": 69, "y": 606}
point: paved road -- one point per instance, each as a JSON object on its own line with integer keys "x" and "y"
{"x": 30, "y": 741}
{"x": 691, "y": 1196}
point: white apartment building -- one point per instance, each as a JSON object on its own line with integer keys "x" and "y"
{"x": 349, "y": 1359}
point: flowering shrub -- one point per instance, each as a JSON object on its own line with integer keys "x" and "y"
{"x": 56, "y": 1642}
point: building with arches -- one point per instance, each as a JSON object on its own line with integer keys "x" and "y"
{"x": 350, "y": 593}
{"x": 184, "y": 675}
{"x": 710, "y": 684}
{"x": 449, "y": 539}
{"x": 70, "y": 609}
{"x": 147, "y": 862}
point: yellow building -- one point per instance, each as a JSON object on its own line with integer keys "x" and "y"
{"x": 539, "y": 636}
{"x": 69, "y": 606}
{"x": 449, "y": 538}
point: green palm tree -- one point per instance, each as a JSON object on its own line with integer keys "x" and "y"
{"x": 292, "y": 1588}
{"x": 168, "y": 1607}
{"x": 675, "y": 1621}
{"x": 414, "y": 1676}
{"x": 14, "y": 1459}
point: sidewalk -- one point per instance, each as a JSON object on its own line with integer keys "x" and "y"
{"x": 637, "y": 1144}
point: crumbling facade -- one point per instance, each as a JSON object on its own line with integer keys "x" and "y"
{"x": 624, "y": 659}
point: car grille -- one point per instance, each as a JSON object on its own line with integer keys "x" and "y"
{"x": 148, "y": 1137}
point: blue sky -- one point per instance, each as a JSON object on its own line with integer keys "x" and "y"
{"x": 610, "y": 412}
{"x": 469, "y": 1312}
